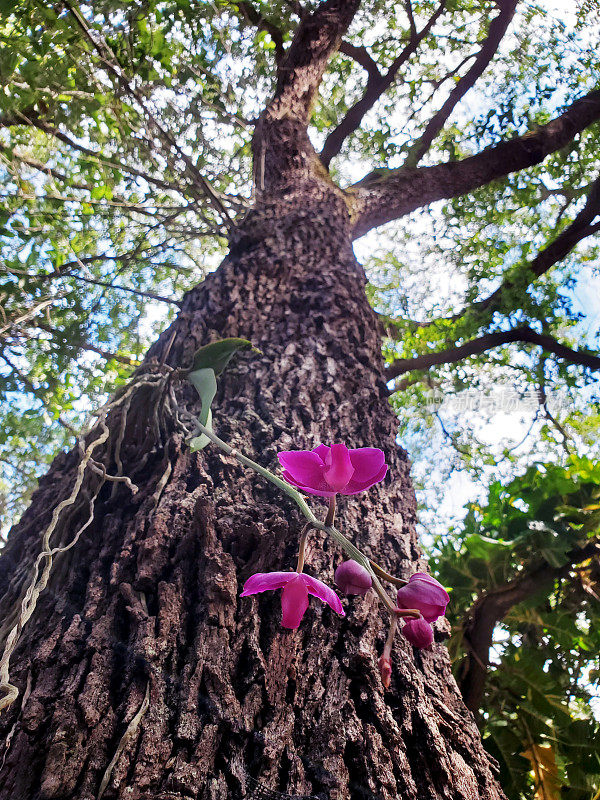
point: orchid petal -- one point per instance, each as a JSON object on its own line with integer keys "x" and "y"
{"x": 426, "y": 594}
{"x": 352, "y": 578}
{"x": 355, "y": 486}
{"x": 367, "y": 463}
{"x": 265, "y": 581}
{"x": 322, "y": 451}
{"x": 434, "y": 586}
{"x": 319, "y": 589}
{"x": 418, "y": 632}
{"x": 294, "y": 602}
{"x": 308, "y": 489}
{"x": 304, "y": 466}
{"x": 425, "y": 577}
{"x": 338, "y": 467}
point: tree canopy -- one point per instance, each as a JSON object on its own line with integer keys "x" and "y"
{"x": 464, "y": 134}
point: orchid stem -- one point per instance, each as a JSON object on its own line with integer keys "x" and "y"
{"x": 379, "y": 571}
{"x": 336, "y": 535}
{"x": 302, "y": 547}
{"x": 247, "y": 462}
{"x": 411, "y": 613}
{"x": 389, "y": 642}
{"x": 330, "y": 518}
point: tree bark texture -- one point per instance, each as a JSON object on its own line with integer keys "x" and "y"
{"x": 142, "y": 673}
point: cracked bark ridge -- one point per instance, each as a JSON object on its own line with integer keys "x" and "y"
{"x": 150, "y": 596}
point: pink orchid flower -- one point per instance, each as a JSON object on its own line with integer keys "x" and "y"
{"x": 327, "y": 471}
{"x": 294, "y": 598}
{"x": 418, "y": 632}
{"x": 425, "y": 594}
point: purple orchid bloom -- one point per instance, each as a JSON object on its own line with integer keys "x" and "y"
{"x": 418, "y": 632}
{"x": 425, "y": 594}
{"x": 326, "y": 471}
{"x": 294, "y": 598}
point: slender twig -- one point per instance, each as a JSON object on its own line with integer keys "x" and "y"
{"x": 111, "y": 63}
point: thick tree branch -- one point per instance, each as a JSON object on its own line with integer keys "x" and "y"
{"x": 492, "y": 607}
{"x": 487, "y": 342}
{"x": 490, "y": 45}
{"x": 362, "y": 56}
{"x": 283, "y": 153}
{"x": 386, "y": 195}
{"x": 582, "y": 226}
{"x": 377, "y": 84}
{"x": 317, "y": 37}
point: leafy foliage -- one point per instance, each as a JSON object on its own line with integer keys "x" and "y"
{"x": 542, "y": 688}
{"x": 209, "y": 362}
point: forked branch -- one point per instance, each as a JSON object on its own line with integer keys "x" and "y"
{"x": 317, "y": 37}
{"x": 581, "y": 228}
{"x": 377, "y": 84}
{"x": 489, "y": 48}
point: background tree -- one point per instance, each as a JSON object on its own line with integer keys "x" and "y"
{"x": 130, "y": 132}
{"x": 525, "y": 574}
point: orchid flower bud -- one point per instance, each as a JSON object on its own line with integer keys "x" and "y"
{"x": 425, "y": 594}
{"x": 385, "y": 670}
{"x": 418, "y": 632}
{"x": 352, "y": 578}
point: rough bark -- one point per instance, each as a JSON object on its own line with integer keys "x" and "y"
{"x": 148, "y": 601}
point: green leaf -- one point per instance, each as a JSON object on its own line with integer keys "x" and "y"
{"x": 483, "y": 547}
{"x": 200, "y": 442}
{"x": 206, "y": 385}
{"x": 210, "y": 361}
{"x": 217, "y": 355}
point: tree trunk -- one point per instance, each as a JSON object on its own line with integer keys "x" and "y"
{"x": 142, "y": 673}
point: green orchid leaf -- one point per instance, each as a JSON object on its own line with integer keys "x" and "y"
{"x": 200, "y": 442}
{"x": 217, "y": 355}
{"x": 205, "y": 382}
{"x": 210, "y": 361}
